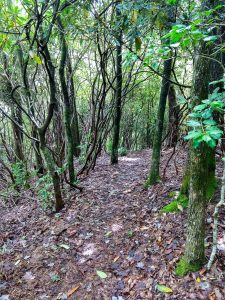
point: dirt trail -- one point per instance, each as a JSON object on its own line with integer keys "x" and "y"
{"x": 113, "y": 226}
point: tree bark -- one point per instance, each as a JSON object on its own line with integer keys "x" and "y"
{"x": 194, "y": 256}
{"x": 154, "y": 171}
{"x": 118, "y": 102}
{"x": 173, "y": 118}
{"x": 157, "y": 143}
{"x": 67, "y": 106}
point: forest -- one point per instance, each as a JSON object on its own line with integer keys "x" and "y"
{"x": 112, "y": 149}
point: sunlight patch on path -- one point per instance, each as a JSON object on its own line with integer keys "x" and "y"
{"x": 130, "y": 159}
{"x": 117, "y": 227}
{"x": 89, "y": 249}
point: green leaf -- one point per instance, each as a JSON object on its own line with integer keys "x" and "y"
{"x": 210, "y": 38}
{"x": 164, "y": 289}
{"x": 194, "y": 134}
{"x": 65, "y": 246}
{"x": 37, "y": 59}
{"x": 55, "y": 278}
{"x": 193, "y": 123}
{"x": 171, "y": 2}
{"x": 101, "y": 274}
{"x": 200, "y": 107}
{"x": 215, "y": 133}
{"x": 217, "y": 81}
{"x": 209, "y": 122}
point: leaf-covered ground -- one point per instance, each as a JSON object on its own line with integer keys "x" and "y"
{"x": 110, "y": 242}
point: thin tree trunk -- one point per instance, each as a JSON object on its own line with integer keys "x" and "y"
{"x": 67, "y": 106}
{"x": 173, "y": 118}
{"x": 154, "y": 171}
{"x": 75, "y": 123}
{"x": 118, "y": 103}
{"x": 165, "y": 85}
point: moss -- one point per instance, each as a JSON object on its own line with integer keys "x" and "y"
{"x": 183, "y": 267}
{"x": 184, "y": 189}
{"x": 172, "y": 194}
{"x": 173, "y": 206}
{"x": 150, "y": 182}
{"x": 211, "y": 187}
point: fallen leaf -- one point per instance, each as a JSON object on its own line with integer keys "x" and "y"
{"x": 17, "y": 262}
{"x": 73, "y": 290}
{"x": 163, "y": 288}
{"x": 198, "y": 280}
{"x": 116, "y": 258}
{"x": 101, "y": 274}
{"x": 180, "y": 207}
{"x": 65, "y": 246}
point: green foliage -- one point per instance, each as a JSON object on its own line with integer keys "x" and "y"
{"x": 55, "y": 278}
{"x": 211, "y": 186}
{"x": 130, "y": 233}
{"x": 20, "y": 174}
{"x": 44, "y": 189}
{"x": 183, "y": 267}
{"x": 101, "y": 274}
{"x": 109, "y": 146}
{"x": 83, "y": 151}
{"x": 122, "y": 151}
{"x": 204, "y": 127}
{"x": 175, "y": 206}
{"x": 163, "y": 288}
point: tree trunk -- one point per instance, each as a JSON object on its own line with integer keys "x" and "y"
{"x": 194, "y": 256}
{"x": 59, "y": 204}
{"x": 75, "y": 123}
{"x": 18, "y": 135}
{"x": 118, "y": 103}
{"x": 67, "y": 106}
{"x": 154, "y": 172}
{"x": 173, "y": 118}
{"x": 39, "y": 162}
{"x": 157, "y": 143}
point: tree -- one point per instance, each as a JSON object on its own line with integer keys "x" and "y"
{"x": 118, "y": 93}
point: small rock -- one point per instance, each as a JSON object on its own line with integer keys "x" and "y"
{"x": 28, "y": 276}
{"x": 205, "y": 285}
{"x": 221, "y": 247}
{"x": 120, "y": 285}
{"x": 140, "y": 265}
{"x": 3, "y": 285}
{"x": 44, "y": 297}
{"x": 5, "y": 297}
{"x": 140, "y": 286}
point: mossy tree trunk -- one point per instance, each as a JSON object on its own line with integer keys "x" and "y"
{"x": 66, "y": 101}
{"x": 173, "y": 117}
{"x": 23, "y": 69}
{"x": 75, "y": 123}
{"x": 18, "y": 135}
{"x": 194, "y": 255}
{"x": 154, "y": 171}
{"x": 165, "y": 85}
{"x": 48, "y": 156}
{"x": 52, "y": 168}
{"x": 216, "y": 72}
{"x": 118, "y": 100}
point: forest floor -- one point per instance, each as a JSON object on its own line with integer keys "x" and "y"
{"x": 113, "y": 226}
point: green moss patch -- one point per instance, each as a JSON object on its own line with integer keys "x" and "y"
{"x": 176, "y": 205}
{"x": 211, "y": 187}
{"x": 183, "y": 267}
